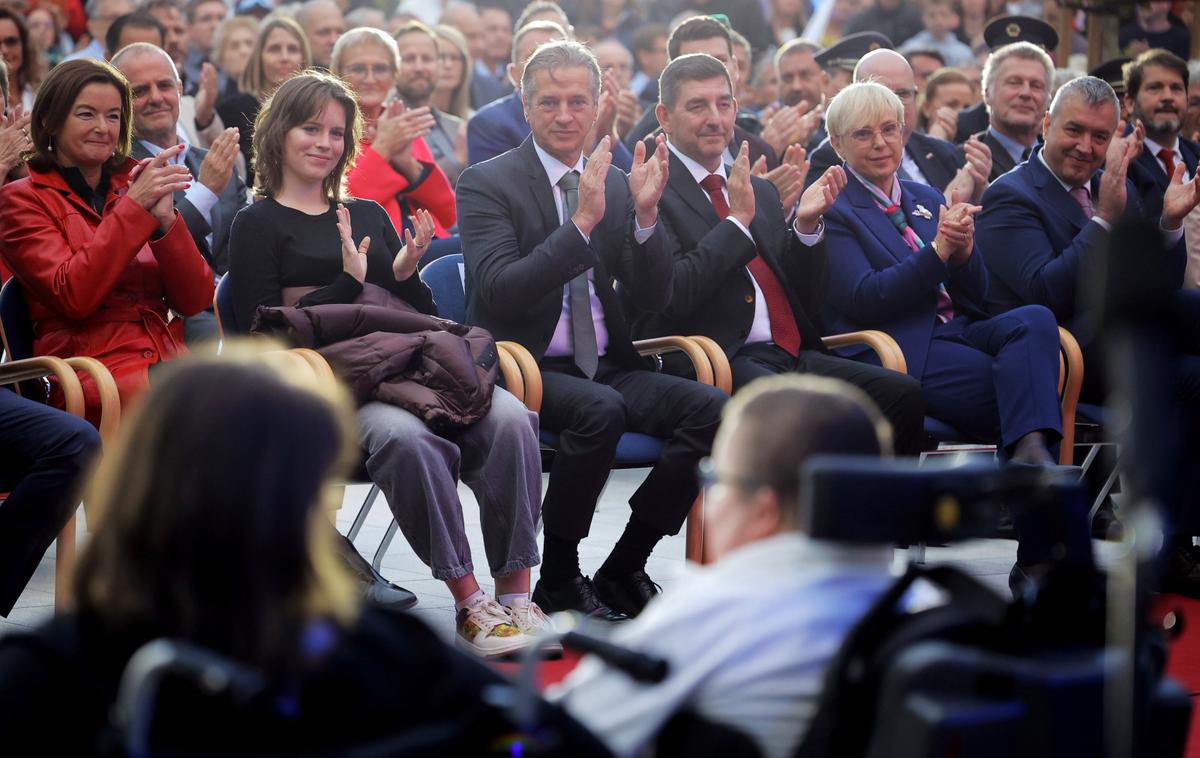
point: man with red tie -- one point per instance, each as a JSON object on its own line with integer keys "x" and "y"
{"x": 750, "y": 266}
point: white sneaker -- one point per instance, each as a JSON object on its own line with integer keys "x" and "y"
{"x": 488, "y": 629}
{"x": 533, "y": 622}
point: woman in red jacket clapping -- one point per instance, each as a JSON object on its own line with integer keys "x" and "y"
{"x": 93, "y": 236}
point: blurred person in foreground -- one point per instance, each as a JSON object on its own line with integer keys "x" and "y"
{"x": 237, "y": 557}
{"x": 748, "y": 637}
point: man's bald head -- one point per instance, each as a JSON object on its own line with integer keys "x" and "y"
{"x": 889, "y": 68}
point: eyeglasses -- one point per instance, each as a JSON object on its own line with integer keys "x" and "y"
{"x": 10, "y": 41}
{"x": 708, "y": 477}
{"x": 905, "y": 95}
{"x": 361, "y": 70}
{"x": 891, "y": 132}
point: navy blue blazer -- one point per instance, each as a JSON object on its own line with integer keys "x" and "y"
{"x": 500, "y": 126}
{"x": 1039, "y": 246}
{"x": 877, "y": 282}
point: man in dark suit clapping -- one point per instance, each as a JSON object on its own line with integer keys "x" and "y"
{"x": 544, "y": 237}
{"x": 742, "y": 276}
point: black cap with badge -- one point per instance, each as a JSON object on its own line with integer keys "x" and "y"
{"x": 1005, "y": 30}
{"x": 846, "y": 52}
{"x": 1113, "y": 72}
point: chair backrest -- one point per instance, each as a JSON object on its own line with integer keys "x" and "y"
{"x": 16, "y": 328}
{"x": 445, "y": 277}
{"x": 223, "y": 308}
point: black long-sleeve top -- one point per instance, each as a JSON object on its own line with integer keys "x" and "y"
{"x": 272, "y": 247}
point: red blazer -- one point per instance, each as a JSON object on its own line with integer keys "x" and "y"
{"x": 99, "y": 286}
{"x": 373, "y": 178}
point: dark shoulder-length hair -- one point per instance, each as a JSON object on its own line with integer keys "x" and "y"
{"x": 210, "y": 513}
{"x": 57, "y": 96}
{"x": 27, "y": 73}
{"x": 300, "y": 99}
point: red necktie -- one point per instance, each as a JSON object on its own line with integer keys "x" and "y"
{"x": 1168, "y": 160}
{"x": 784, "y": 330}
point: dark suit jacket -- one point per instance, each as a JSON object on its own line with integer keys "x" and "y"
{"x": 1002, "y": 162}
{"x": 485, "y": 89}
{"x": 938, "y": 159}
{"x": 229, "y": 202}
{"x": 878, "y": 282}
{"x": 519, "y": 255}
{"x": 1039, "y": 246}
{"x": 500, "y": 126}
{"x": 971, "y": 121}
{"x": 713, "y": 294}
{"x": 648, "y": 127}
{"x": 1151, "y": 180}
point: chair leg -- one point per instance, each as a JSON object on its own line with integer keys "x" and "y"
{"x": 64, "y": 565}
{"x": 694, "y": 546}
{"x": 365, "y": 510}
{"x": 388, "y": 536}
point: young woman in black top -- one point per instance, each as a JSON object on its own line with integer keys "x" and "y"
{"x": 301, "y": 234}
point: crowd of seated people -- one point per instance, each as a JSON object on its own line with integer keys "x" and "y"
{"x": 608, "y": 175}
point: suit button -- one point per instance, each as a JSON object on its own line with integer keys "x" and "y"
{"x": 749, "y": 298}
{"x": 147, "y": 353}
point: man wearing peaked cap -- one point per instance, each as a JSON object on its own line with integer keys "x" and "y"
{"x": 1001, "y": 31}
{"x": 839, "y": 59}
{"x": 1113, "y": 72}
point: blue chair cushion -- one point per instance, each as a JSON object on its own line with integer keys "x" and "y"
{"x": 937, "y": 431}
{"x": 445, "y": 278}
{"x": 633, "y": 449}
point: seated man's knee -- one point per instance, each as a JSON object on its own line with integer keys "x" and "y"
{"x": 601, "y": 415}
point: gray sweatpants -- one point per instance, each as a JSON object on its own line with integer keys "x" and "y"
{"x": 418, "y": 472}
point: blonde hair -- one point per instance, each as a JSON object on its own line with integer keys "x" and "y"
{"x": 861, "y": 104}
{"x": 363, "y": 35}
{"x": 254, "y": 79}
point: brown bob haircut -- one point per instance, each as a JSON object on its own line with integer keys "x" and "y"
{"x": 1135, "y": 70}
{"x": 58, "y": 94}
{"x": 297, "y": 101}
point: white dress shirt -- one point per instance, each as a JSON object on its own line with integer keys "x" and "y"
{"x": 562, "y": 342}
{"x": 760, "y": 326}
{"x": 748, "y": 640}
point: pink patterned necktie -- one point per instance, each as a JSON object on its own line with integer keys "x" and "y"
{"x": 1084, "y": 198}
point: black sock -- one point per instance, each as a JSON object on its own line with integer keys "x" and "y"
{"x": 632, "y": 550}
{"x": 560, "y": 560}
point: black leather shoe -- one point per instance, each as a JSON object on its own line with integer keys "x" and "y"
{"x": 375, "y": 588}
{"x": 578, "y": 595}
{"x": 627, "y": 594}
{"x": 1182, "y": 574}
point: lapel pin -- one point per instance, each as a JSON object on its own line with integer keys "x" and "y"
{"x": 928, "y": 156}
{"x": 922, "y": 211}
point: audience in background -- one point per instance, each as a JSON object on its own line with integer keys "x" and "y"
{"x": 491, "y": 75}
{"x": 100, "y": 14}
{"x": 20, "y": 57}
{"x": 280, "y": 50}
{"x": 452, "y": 94}
{"x": 945, "y": 95}
{"x": 233, "y": 44}
{"x": 416, "y": 80}
{"x": 1154, "y": 26}
{"x": 93, "y": 237}
{"x": 322, "y": 23}
{"x": 649, "y": 48}
{"x": 941, "y": 20}
{"x": 46, "y": 33}
{"x": 204, "y": 17}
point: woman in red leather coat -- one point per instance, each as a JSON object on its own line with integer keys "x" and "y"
{"x": 93, "y": 237}
{"x": 395, "y": 167}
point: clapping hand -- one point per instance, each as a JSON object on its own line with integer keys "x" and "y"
{"x": 1121, "y": 150}
{"x": 217, "y": 167}
{"x": 788, "y": 177}
{"x": 590, "y": 208}
{"x": 741, "y": 191}
{"x": 819, "y": 198}
{"x": 397, "y": 128}
{"x": 14, "y": 140}
{"x": 647, "y": 180}
{"x": 153, "y": 183}
{"x": 956, "y": 231}
{"x": 206, "y": 96}
{"x": 1180, "y": 198}
{"x": 416, "y": 242}
{"x": 354, "y": 258}
{"x": 944, "y": 123}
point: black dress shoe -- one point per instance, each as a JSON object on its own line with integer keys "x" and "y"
{"x": 578, "y": 595}
{"x": 629, "y": 593}
{"x": 375, "y": 588}
{"x": 1182, "y": 574}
